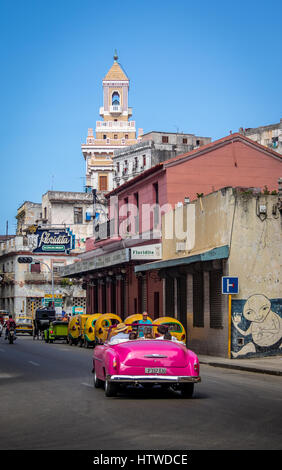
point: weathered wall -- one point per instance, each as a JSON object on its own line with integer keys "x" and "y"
{"x": 255, "y": 256}
{"x": 235, "y": 218}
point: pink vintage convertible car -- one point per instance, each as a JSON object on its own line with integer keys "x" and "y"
{"x": 145, "y": 361}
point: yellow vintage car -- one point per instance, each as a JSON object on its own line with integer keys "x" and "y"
{"x": 74, "y": 330}
{"x": 89, "y": 329}
{"x": 24, "y": 324}
{"x": 82, "y": 320}
{"x": 103, "y": 324}
{"x": 175, "y": 328}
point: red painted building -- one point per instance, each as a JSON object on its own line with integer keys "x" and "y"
{"x": 135, "y": 219}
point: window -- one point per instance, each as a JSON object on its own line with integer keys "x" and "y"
{"x": 104, "y": 136}
{"x": 144, "y": 161}
{"x": 103, "y": 182}
{"x": 136, "y": 202}
{"x": 198, "y": 300}
{"x": 156, "y": 208}
{"x": 115, "y": 98}
{"x": 35, "y": 268}
{"x": 184, "y": 141}
{"x": 126, "y": 136}
{"x": 165, "y": 139}
{"x": 77, "y": 215}
{"x": 156, "y": 192}
{"x": 115, "y": 136}
{"x": 117, "y": 167}
{"x": 57, "y": 266}
{"x": 128, "y": 228}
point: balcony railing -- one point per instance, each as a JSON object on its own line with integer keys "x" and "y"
{"x": 115, "y": 109}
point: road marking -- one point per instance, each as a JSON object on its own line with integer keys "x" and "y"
{"x": 87, "y": 385}
{"x": 34, "y": 363}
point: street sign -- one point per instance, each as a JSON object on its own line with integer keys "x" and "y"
{"x": 58, "y": 300}
{"x": 230, "y": 285}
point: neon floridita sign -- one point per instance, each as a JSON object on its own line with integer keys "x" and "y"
{"x": 51, "y": 241}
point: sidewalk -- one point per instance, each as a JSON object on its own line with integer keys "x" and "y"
{"x": 265, "y": 365}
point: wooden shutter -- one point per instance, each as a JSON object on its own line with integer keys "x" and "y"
{"x": 216, "y": 320}
{"x": 103, "y": 183}
{"x": 198, "y": 299}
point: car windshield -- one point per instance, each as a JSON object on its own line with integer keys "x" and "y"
{"x": 174, "y": 327}
{"x": 25, "y": 321}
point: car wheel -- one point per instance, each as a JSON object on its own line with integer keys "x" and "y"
{"x": 110, "y": 389}
{"x": 187, "y": 390}
{"x": 97, "y": 382}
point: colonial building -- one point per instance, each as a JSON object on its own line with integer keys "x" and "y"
{"x": 42, "y": 232}
{"x": 60, "y": 209}
{"x": 115, "y": 131}
{"x": 26, "y": 287}
{"x": 153, "y": 148}
{"x": 270, "y": 136}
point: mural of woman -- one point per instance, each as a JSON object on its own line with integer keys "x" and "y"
{"x": 265, "y": 327}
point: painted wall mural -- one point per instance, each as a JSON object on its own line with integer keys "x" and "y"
{"x": 256, "y": 326}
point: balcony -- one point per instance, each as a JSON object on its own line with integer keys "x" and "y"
{"x": 115, "y": 109}
{"x": 40, "y": 278}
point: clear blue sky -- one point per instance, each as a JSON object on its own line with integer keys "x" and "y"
{"x": 203, "y": 67}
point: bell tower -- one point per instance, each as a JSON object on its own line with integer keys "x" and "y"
{"x": 115, "y": 92}
{"x": 114, "y": 132}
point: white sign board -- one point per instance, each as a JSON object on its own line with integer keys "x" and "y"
{"x": 147, "y": 252}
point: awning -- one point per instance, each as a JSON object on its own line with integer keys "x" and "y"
{"x": 220, "y": 252}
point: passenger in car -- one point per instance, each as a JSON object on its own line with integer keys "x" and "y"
{"x": 133, "y": 335}
{"x": 148, "y": 333}
{"x": 121, "y": 334}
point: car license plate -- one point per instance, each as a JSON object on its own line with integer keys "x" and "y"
{"x": 155, "y": 370}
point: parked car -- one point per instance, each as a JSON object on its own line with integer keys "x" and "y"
{"x": 73, "y": 330}
{"x": 145, "y": 362}
{"x": 58, "y": 329}
{"x": 82, "y": 320}
{"x": 174, "y": 326}
{"x": 103, "y": 323}
{"x": 89, "y": 330}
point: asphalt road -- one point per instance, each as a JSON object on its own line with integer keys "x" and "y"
{"x": 47, "y": 401}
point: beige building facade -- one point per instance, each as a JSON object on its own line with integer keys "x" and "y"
{"x": 233, "y": 232}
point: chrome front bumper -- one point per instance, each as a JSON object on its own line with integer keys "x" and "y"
{"x": 139, "y": 379}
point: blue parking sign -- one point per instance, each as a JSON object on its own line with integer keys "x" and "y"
{"x": 230, "y": 285}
